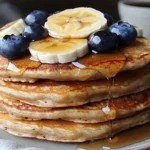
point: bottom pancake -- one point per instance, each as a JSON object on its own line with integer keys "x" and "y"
{"x": 89, "y": 113}
{"x": 65, "y": 131}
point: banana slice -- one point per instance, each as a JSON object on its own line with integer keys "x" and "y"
{"x": 75, "y": 23}
{"x": 16, "y": 28}
{"x": 139, "y": 31}
{"x": 51, "y": 50}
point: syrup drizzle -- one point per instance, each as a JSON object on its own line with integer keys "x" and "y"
{"x": 125, "y": 138}
{"x": 110, "y": 101}
{"x": 109, "y": 106}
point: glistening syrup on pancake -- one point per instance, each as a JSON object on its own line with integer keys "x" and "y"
{"x": 126, "y": 138}
{"x": 107, "y": 64}
{"x": 22, "y": 64}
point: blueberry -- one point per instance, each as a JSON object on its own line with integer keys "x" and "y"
{"x": 103, "y": 41}
{"x": 109, "y": 18}
{"x": 34, "y": 32}
{"x": 126, "y": 32}
{"x": 37, "y": 17}
{"x": 13, "y": 47}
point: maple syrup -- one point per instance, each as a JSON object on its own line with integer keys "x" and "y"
{"x": 22, "y": 64}
{"x": 126, "y": 138}
{"x": 107, "y": 64}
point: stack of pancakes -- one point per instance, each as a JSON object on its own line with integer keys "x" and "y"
{"x": 63, "y": 102}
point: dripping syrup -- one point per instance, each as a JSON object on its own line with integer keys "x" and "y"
{"x": 109, "y": 104}
{"x": 125, "y": 138}
{"x": 107, "y": 108}
{"x": 120, "y": 140}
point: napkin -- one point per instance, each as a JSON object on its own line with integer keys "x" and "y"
{"x": 10, "y": 145}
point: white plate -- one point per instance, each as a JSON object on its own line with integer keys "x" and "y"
{"x": 46, "y": 145}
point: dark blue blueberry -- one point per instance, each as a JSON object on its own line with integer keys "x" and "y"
{"x": 13, "y": 47}
{"x": 103, "y": 41}
{"x": 34, "y": 32}
{"x": 109, "y": 18}
{"x": 37, "y": 17}
{"x": 126, "y": 32}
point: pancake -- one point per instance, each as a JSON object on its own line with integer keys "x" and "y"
{"x": 65, "y": 131}
{"x": 97, "y": 66}
{"x": 46, "y": 93}
{"x": 89, "y": 113}
{"x": 15, "y": 79}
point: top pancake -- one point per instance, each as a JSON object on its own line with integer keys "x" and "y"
{"x": 97, "y": 66}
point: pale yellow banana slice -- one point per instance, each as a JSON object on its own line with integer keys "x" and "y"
{"x": 51, "y": 50}
{"x": 75, "y": 23}
{"x": 17, "y": 27}
{"x": 139, "y": 31}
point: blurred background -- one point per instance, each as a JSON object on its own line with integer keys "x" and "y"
{"x": 13, "y": 9}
